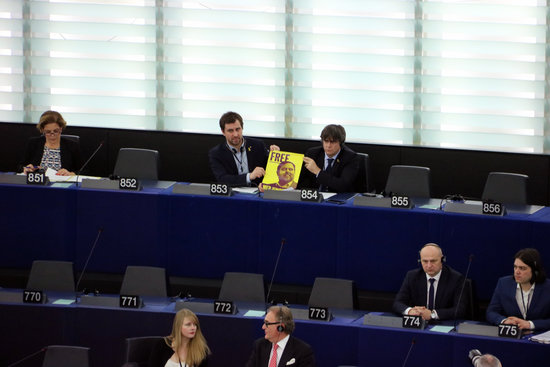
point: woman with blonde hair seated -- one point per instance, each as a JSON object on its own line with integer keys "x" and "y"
{"x": 184, "y": 347}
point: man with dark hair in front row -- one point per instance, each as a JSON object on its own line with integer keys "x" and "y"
{"x": 333, "y": 166}
{"x": 522, "y": 299}
{"x": 278, "y": 347}
{"x": 432, "y": 291}
{"x": 238, "y": 161}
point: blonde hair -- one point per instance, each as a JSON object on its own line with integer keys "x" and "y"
{"x": 49, "y": 117}
{"x": 197, "y": 349}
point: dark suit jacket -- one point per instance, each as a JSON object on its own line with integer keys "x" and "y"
{"x": 71, "y": 158}
{"x": 343, "y": 176}
{"x": 503, "y": 303}
{"x": 295, "y": 348}
{"x": 162, "y": 353}
{"x": 225, "y": 169}
{"x": 414, "y": 292}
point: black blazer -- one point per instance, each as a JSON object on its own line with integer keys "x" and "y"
{"x": 295, "y": 349}
{"x": 161, "y": 353}
{"x": 414, "y": 292}
{"x": 343, "y": 176}
{"x": 225, "y": 169}
{"x": 71, "y": 158}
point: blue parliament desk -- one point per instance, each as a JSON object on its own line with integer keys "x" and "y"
{"x": 206, "y": 236}
{"x": 342, "y": 341}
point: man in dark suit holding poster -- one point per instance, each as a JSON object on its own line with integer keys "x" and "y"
{"x": 278, "y": 347}
{"x": 432, "y": 291}
{"x": 238, "y": 161}
{"x": 331, "y": 167}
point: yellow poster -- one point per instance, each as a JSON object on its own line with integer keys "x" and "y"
{"x": 282, "y": 171}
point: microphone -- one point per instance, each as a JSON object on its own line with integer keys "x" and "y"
{"x": 99, "y": 232}
{"x": 27, "y": 357}
{"x": 89, "y": 159}
{"x": 283, "y": 240}
{"x": 455, "y": 197}
{"x": 183, "y": 296}
{"x": 413, "y": 342}
{"x": 470, "y": 259}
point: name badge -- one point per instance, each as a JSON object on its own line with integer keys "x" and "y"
{"x": 509, "y": 331}
{"x": 30, "y": 296}
{"x": 128, "y": 301}
{"x": 128, "y": 183}
{"x": 310, "y": 195}
{"x": 225, "y": 307}
{"x": 492, "y": 208}
{"x": 220, "y": 189}
{"x": 413, "y": 322}
{"x": 400, "y": 201}
{"x": 319, "y": 313}
{"x": 37, "y": 178}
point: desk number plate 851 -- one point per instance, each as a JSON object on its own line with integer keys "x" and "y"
{"x": 36, "y": 178}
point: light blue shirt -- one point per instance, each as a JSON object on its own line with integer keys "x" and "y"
{"x": 241, "y": 160}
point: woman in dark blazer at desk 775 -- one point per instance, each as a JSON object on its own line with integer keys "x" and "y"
{"x": 51, "y": 150}
{"x": 522, "y": 299}
{"x": 184, "y": 347}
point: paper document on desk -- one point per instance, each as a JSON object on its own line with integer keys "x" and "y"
{"x": 54, "y": 177}
{"x": 541, "y": 338}
{"x": 246, "y": 190}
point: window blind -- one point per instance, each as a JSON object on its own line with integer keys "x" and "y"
{"x": 447, "y": 73}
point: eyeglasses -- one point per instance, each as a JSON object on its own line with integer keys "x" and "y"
{"x": 267, "y": 323}
{"x": 52, "y": 132}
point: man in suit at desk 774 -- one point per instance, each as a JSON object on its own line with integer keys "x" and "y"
{"x": 279, "y": 348}
{"x": 238, "y": 161}
{"x": 433, "y": 291}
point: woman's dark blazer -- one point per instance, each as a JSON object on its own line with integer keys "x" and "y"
{"x": 71, "y": 158}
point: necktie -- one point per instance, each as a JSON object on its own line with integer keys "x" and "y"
{"x": 329, "y": 164}
{"x": 328, "y": 170}
{"x": 431, "y": 293}
{"x": 273, "y": 360}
